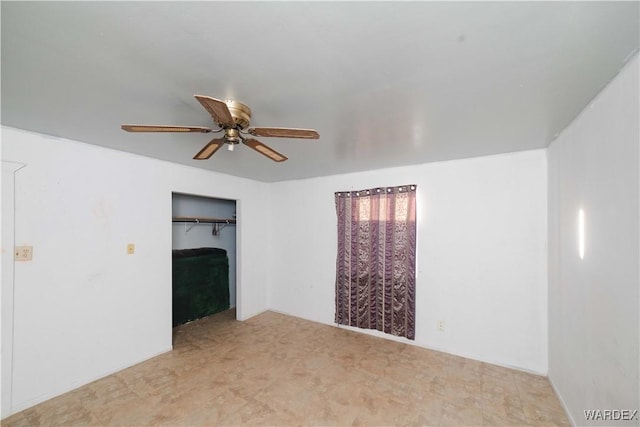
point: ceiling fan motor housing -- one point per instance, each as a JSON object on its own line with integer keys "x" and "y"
{"x": 232, "y": 136}
{"x": 240, "y": 112}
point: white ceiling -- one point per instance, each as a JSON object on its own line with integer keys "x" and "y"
{"x": 385, "y": 83}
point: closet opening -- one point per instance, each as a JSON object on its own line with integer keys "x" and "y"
{"x": 203, "y": 257}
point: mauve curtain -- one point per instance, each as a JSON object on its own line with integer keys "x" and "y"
{"x": 375, "y": 268}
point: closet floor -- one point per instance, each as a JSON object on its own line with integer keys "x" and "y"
{"x": 278, "y": 370}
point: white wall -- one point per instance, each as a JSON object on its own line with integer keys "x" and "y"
{"x": 199, "y": 235}
{"x": 481, "y": 261}
{"x": 593, "y": 302}
{"x": 9, "y": 169}
{"x": 83, "y": 307}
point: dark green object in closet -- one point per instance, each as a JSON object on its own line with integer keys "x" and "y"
{"x": 200, "y": 283}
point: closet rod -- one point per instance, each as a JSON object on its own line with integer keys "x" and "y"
{"x": 203, "y": 220}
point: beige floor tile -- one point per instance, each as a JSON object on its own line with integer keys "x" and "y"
{"x": 503, "y": 410}
{"x": 64, "y": 410}
{"x": 17, "y": 420}
{"x": 465, "y": 411}
{"x": 496, "y": 420}
{"x": 279, "y": 370}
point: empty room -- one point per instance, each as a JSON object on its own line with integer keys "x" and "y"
{"x": 389, "y": 213}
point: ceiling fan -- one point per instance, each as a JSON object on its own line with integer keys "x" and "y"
{"x": 232, "y": 118}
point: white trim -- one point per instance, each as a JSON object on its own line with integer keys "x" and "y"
{"x": 9, "y": 169}
{"x": 564, "y": 404}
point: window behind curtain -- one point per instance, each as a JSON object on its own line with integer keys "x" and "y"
{"x": 375, "y": 277}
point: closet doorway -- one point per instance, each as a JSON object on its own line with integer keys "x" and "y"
{"x": 203, "y": 244}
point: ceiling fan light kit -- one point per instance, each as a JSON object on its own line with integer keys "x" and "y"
{"x": 232, "y": 118}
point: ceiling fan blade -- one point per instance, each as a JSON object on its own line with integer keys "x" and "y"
{"x": 265, "y": 150}
{"x": 209, "y": 149}
{"x": 162, "y": 128}
{"x": 218, "y": 110}
{"x": 285, "y": 133}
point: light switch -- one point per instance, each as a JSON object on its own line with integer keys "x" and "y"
{"x": 131, "y": 249}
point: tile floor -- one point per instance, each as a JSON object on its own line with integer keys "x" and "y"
{"x": 279, "y": 370}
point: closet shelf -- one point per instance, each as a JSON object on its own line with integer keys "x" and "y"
{"x": 204, "y": 220}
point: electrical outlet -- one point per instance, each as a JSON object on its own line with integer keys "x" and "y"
{"x": 441, "y": 325}
{"x": 131, "y": 249}
{"x": 24, "y": 253}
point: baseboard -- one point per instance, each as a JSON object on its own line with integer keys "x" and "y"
{"x": 14, "y": 409}
{"x": 562, "y": 402}
{"x": 378, "y": 334}
{"x": 252, "y": 315}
